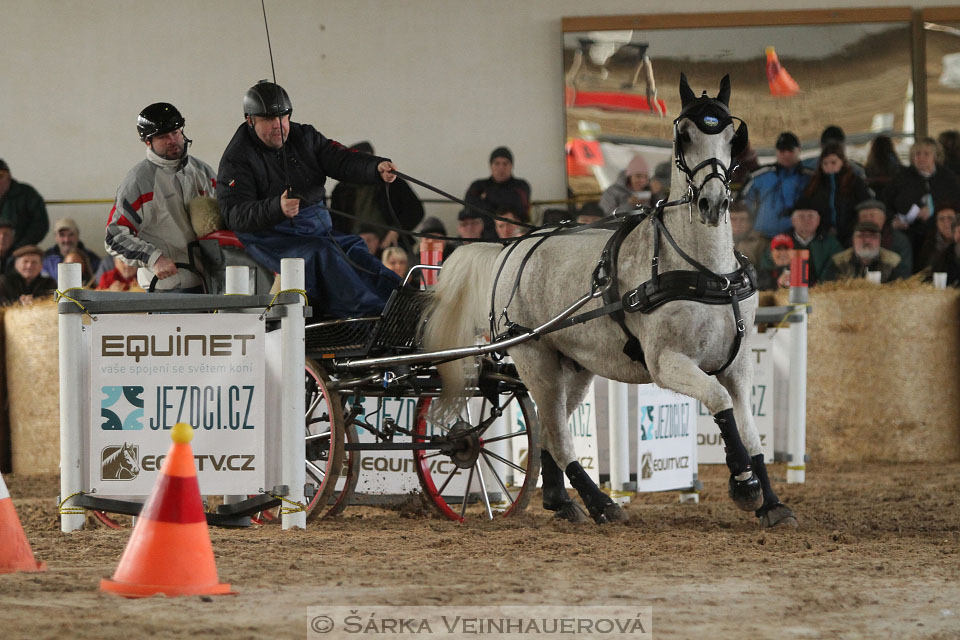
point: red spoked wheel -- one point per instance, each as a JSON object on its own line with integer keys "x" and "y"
{"x": 488, "y": 472}
{"x": 323, "y": 430}
{"x": 323, "y": 425}
{"x": 349, "y": 473}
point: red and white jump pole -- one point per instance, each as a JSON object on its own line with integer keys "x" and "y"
{"x": 797, "y": 407}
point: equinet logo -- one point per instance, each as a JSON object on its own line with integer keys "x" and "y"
{"x": 141, "y": 346}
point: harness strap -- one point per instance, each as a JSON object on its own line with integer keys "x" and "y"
{"x": 611, "y": 294}
{"x": 701, "y": 285}
{"x": 516, "y": 284}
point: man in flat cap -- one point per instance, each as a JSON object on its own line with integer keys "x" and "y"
{"x": 68, "y": 239}
{"x": 864, "y": 256}
{"x": 25, "y": 281}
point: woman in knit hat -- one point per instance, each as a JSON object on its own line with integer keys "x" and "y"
{"x": 631, "y": 188}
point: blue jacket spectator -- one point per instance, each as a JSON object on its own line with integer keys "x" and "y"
{"x": 773, "y": 189}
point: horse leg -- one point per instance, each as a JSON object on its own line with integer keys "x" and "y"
{"x": 737, "y": 380}
{"x": 575, "y": 381}
{"x": 674, "y": 370}
{"x": 538, "y": 367}
{"x": 554, "y": 382}
{"x": 602, "y": 508}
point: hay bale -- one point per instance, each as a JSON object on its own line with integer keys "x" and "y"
{"x": 33, "y": 387}
{"x": 883, "y": 378}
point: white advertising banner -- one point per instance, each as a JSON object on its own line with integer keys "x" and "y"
{"x": 762, "y": 398}
{"x": 666, "y": 440}
{"x": 150, "y": 372}
{"x": 583, "y": 428}
{"x": 392, "y": 473}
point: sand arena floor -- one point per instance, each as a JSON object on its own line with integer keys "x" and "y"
{"x": 877, "y": 555}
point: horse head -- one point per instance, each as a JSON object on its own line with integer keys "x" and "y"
{"x": 128, "y": 459}
{"x": 705, "y": 144}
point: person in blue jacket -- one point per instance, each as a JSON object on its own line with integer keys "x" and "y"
{"x": 773, "y": 189}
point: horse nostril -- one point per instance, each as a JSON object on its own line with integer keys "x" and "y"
{"x": 704, "y": 205}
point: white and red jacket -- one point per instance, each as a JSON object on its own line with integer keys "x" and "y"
{"x": 149, "y": 218}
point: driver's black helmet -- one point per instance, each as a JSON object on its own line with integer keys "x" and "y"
{"x": 266, "y": 99}
{"x": 158, "y": 118}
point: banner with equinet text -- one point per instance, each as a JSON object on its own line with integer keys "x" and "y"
{"x": 149, "y": 372}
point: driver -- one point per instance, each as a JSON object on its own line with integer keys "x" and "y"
{"x": 149, "y": 226}
{"x": 271, "y": 192}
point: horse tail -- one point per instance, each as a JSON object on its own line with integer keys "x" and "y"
{"x": 458, "y": 314}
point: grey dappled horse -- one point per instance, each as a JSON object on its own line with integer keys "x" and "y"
{"x": 687, "y": 345}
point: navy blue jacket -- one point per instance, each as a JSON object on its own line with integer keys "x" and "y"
{"x": 251, "y": 176}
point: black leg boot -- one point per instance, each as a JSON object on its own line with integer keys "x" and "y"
{"x": 601, "y": 507}
{"x": 555, "y": 496}
{"x": 744, "y": 488}
{"x": 554, "y": 493}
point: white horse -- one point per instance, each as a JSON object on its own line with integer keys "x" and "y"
{"x": 692, "y": 347}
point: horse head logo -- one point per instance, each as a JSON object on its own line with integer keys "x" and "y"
{"x": 120, "y": 462}
{"x": 646, "y": 465}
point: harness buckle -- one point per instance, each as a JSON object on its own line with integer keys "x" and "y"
{"x": 741, "y": 327}
{"x": 633, "y": 298}
{"x": 726, "y": 283}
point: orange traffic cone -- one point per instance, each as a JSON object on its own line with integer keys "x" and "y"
{"x": 169, "y": 551}
{"x": 15, "y": 552}
{"x": 781, "y": 84}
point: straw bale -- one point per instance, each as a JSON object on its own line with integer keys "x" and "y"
{"x": 33, "y": 386}
{"x": 883, "y": 376}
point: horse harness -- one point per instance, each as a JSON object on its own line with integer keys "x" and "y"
{"x": 697, "y": 285}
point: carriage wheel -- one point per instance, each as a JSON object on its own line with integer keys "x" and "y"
{"x": 325, "y": 455}
{"x": 107, "y": 520}
{"x": 349, "y": 473}
{"x": 494, "y": 485}
{"x": 324, "y": 433}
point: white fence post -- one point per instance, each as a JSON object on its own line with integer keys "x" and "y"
{"x": 619, "y": 435}
{"x": 293, "y": 446}
{"x": 237, "y": 283}
{"x": 72, "y": 415}
{"x": 797, "y": 423}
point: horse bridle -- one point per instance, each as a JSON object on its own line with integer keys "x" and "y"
{"x": 710, "y": 116}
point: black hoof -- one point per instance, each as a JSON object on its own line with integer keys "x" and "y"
{"x": 571, "y": 512}
{"x": 611, "y": 512}
{"x": 746, "y": 494}
{"x": 777, "y": 515}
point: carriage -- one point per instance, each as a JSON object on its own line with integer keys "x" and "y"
{"x": 474, "y": 464}
{"x": 468, "y": 459}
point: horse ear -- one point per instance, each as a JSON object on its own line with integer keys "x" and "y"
{"x": 686, "y": 93}
{"x": 724, "y": 95}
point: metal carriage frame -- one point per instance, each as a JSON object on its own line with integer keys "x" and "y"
{"x": 380, "y": 357}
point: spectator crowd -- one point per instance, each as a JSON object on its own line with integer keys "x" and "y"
{"x": 883, "y": 217}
